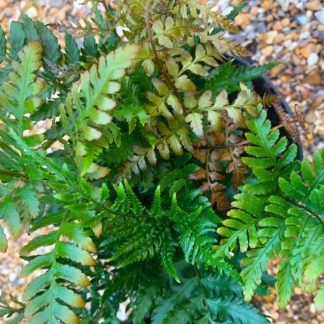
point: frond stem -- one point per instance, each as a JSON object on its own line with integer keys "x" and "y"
{"x": 151, "y": 41}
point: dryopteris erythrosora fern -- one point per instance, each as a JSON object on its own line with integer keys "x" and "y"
{"x": 20, "y": 96}
{"x": 280, "y": 214}
{"x": 126, "y": 112}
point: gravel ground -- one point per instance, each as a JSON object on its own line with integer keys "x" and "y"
{"x": 291, "y": 31}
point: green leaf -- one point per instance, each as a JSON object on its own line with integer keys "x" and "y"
{"x": 9, "y": 213}
{"x": 69, "y": 297}
{"x": 195, "y": 120}
{"x": 3, "y": 43}
{"x": 319, "y": 298}
{"x": 72, "y": 53}
{"x": 236, "y": 310}
{"x": 91, "y": 134}
{"x": 72, "y": 275}
{"x": 16, "y": 39}
{"x": 185, "y": 84}
{"x": 37, "y": 262}
{"x": 29, "y": 29}
{"x": 90, "y": 47}
{"x": 3, "y": 241}
{"x": 30, "y": 200}
{"x": 52, "y": 49}
{"x": 165, "y": 41}
{"x": 40, "y": 241}
{"x": 20, "y": 95}
{"x": 74, "y": 253}
{"x": 228, "y": 76}
{"x": 37, "y": 285}
{"x": 235, "y": 12}
{"x": 167, "y": 255}
{"x": 79, "y": 236}
{"x": 285, "y": 283}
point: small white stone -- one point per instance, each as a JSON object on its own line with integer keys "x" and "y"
{"x": 320, "y": 16}
{"x": 312, "y": 59}
{"x": 304, "y": 35}
{"x": 284, "y": 4}
{"x": 32, "y": 12}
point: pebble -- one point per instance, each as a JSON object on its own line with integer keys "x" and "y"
{"x": 271, "y": 36}
{"x": 267, "y": 51}
{"x": 284, "y": 4}
{"x": 32, "y": 12}
{"x": 312, "y": 59}
{"x": 307, "y": 50}
{"x": 57, "y": 3}
{"x": 313, "y": 78}
{"x": 302, "y": 19}
{"x": 305, "y": 35}
{"x": 314, "y": 5}
{"x": 320, "y": 16}
{"x": 261, "y": 27}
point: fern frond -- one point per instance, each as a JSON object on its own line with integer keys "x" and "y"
{"x": 45, "y": 294}
{"x": 285, "y": 225}
{"x": 93, "y": 104}
{"x": 228, "y": 76}
{"x": 203, "y": 297}
{"x": 235, "y": 310}
{"x": 271, "y": 157}
{"x": 21, "y": 92}
{"x": 302, "y": 206}
{"x": 167, "y": 257}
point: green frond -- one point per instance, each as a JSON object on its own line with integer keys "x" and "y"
{"x": 156, "y": 209}
{"x": 228, "y": 76}
{"x": 21, "y": 91}
{"x": 319, "y": 298}
{"x": 186, "y": 302}
{"x": 271, "y": 156}
{"x": 167, "y": 257}
{"x": 52, "y": 49}
{"x": 3, "y": 44}
{"x": 45, "y": 294}
{"x": 72, "y": 52}
{"x": 94, "y": 103}
{"x": 235, "y": 310}
{"x": 3, "y": 240}
{"x": 241, "y": 226}
{"x": 16, "y": 39}
{"x": 301, "y": 204}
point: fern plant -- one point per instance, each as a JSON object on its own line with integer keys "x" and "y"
{"x": 154, "y": 183}
{"x": 280, "y": 214}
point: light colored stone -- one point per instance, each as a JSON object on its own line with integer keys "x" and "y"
{"x": 271, "y": 36}
{"x": 242, "y": 20}
{"x": 267, "y": 51}
{"x": 32, "y": 12}
{"x": 57, "y": 3}
{"x": 314, "y": 5}
{"x": 313, "y": 78}
{"x": 320, "y": 16}
{"x": 279, "y": 39}
{"x": 284, "y": 4}
{"x": 302, "y": 19}
{"x": 307, "y": 50}
{"x": 312, "y": 59}
{"x": 305, "y": 35}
